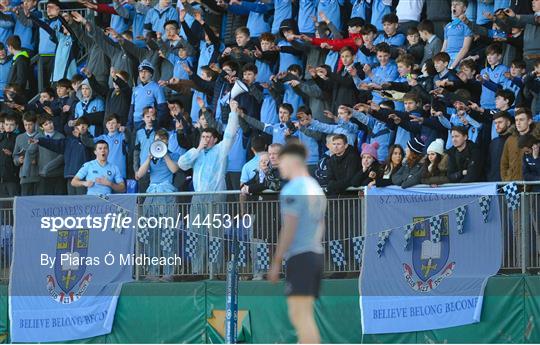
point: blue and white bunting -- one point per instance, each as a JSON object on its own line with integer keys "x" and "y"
{"x": 461, "y": 212}
{"x": 167, "y": 240}
{"x": 142, "y": 235}
{"x": 242, "y": 256}
{"x": 214, "y": 246}
{"x": 263, "y": 259}
{"x": 383, "y": 237}
{"x": 484, "y": 202}
{"x": 408, "y": 234}
{"x": 435, "y": 225}
{"x": 358, "y": 248}
{"x": 336, "y": 251}
{"x": 191, "y": 244}
{"x": 512, "y": 195}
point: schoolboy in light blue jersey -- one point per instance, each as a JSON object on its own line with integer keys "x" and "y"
{"x": 157, "y": 16}
{"x": 305, "y": 116}
{"x": 24, "y": 28}
{"x": 117, "y": 142}
{"x": 385, "y": 72}
{"x": 278, "y": 131}
{"x": 99, "y": 176}
{"x": 161, "y": 171}
{"x": 494, "y": 72}
{"x": 303, "y": 207}
{"x": 342, "y": 125}
{"x": 144, "y": 137}
{"x": 88, "y": 104}
{"x": 147, "y": 94}
{"x": 391, "y": 36}
{"x": 249, "y": 170}
{"x": 457, "y": 36}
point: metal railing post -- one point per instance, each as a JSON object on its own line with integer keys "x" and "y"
{"x": 210, "y": 233}
{"x": 524, "y": 231}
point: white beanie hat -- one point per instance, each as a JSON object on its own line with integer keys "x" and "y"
{"x": 436, "y": 146}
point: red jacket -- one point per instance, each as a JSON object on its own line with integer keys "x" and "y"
{"x": 104, "y": 8}
{"x": 338, "y": 44}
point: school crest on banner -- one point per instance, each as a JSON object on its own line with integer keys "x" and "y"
{"x": 436, "y": 261}
{"x": 70, "y": 266}
{"x": 429, "y": 258}
{"x": 65, "y": 281}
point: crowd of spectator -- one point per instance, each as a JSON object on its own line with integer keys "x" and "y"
{"x": 380, "y": 92}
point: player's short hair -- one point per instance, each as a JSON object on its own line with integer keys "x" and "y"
{"x": 112, "y": 116}
{"x": 464, "y": 2}
{"x": 14, "y": 42}
{"x": 295, "y": 68}
{"x": 294, "y": 149}
{"x": 233, "y": 65}
{"x": 123, "y": 74}
{"x": 506, "y": 94}
{"x": 383, "y": 48}
{"x": 520, "y": 64}
{"x": 460, "y": 129}
{"x": 277, "y": 146}
{"x": 43, "y": 119}
{"x": 258, "y": 143}
{"x": 48, "y": 91}
{"x": 442, "y": 56}
{"x": 368, "y": 28}
{"x": 411, "y": 96}
{"x": 346, "y": 49}
{"x": 249, "y": 67}
{"x": 210, "y": 72}
{"x": 268, "y": 37}
{"x": 173, "y": 23}
{"x": 406, "y": 59}
{"x": 81, "y": 121}
{"x": 304, "y": 109}
{"x": 10, "y": 117}
{"x": 147, "y": 109}
{"x": 470, "y": 64}
{"x": 212, "y": 131}
{"x": 494, "y": 48}
{"x": 287, "y": 107}
{"x": 388, "y": 105}
{"x": 77, "y": 78}
{"x": 340, "y": 137}
{"x": 64, "y": 82}
{"x": 412, "y": 31}
{"x": 427, "y": 26}
{"x": 30, "y": 117}
{"x": 242, "y": 30}
{"x": 525, "y": 111}
{"x": 162, "y": 133}
{"x": 390, "y": 18}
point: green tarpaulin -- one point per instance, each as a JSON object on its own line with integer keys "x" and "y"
{"x": 180, "y": 312}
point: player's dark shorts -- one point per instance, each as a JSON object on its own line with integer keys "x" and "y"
{"x": 303, "y": 274}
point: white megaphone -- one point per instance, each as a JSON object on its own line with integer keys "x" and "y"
{"x": 238, "y": 88}
{"x": 158, "y": 149}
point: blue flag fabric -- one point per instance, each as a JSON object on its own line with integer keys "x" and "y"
{"x": 433, "y": 284}
{"x": 75, "y": 297}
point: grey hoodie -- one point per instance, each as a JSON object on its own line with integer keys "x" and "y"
{"x": 29, "y": 173}
{"x": 50, "y": 163}
{"x": 98, "y": 62}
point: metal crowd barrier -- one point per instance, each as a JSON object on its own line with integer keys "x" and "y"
{"x": 345, "y": 219}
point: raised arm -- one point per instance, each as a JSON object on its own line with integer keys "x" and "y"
{"x": 230, "y": 130}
